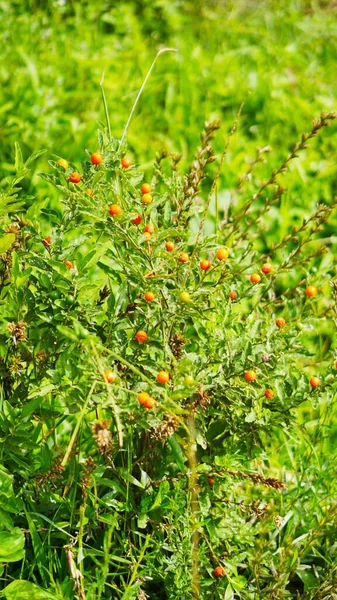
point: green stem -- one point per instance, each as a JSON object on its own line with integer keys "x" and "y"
{"x": 105, "y": 106}
{"x": 77, "y": 426}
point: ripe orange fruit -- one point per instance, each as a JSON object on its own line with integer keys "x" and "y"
{"x": 185, "y": 297}
{"x": 255, "y": 278}
{"x": 250, "y": 375}
{"x": 149, "y": 296}
{"x": 68, "y": 264}
{"x": 269, "y": 394}
{"x": 149, "y": 229}
{"x": 115, "y": 209}
{"x": 183, "y": 257}
{"x": 141, "y": 336}
{"x": 169, "y": 246}
{"x": 210, "y": 480}
{"x": 147, "y": 198}
{"x": 315, "y": 382}
{"x": 311, "y": 291}
{"x": 146, "y": 188}
{"x": 47, "y": 241}
{"x": 96, "y": 158}
{"x": 266, "y": 268}
{"x": 219, "y": 571}
{"x": 222, "y": 253}
{"x": 163, "y": 377}
{"x": 336, "y": 364}
{"x": 205, "y": 265}
{"x": 280, "y": 322}
{"x": 89, "y": 192}
{"x": 146, "y": 400}
{"x": 63, "y": 163}
{"x": 125, "y": 163}
{"x": 75, "y": 177}
{"x": 109, "y": 376}
{"x": 233, "y": 295}
{"x": 137, "y": 220}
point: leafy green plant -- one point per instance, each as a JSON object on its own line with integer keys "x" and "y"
{"x": 156, "y": 345}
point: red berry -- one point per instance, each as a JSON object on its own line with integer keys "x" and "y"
{"x": 280, "y": 322}
{"x": 149, "y": 229}
{"x": 125, "y": 163}
{"x": 233, "y": 295}
{"x": 47, "y": 241}
{"x": 219, "y": 571}
{"x": 315, "y": 382}
{"x": 75, "y": 177}
{"x": 266, "y": 268}
{"x": 137, "y": 220}
{"x": 205, "y": 265}
{"x": 149, "y": 296}
{"x": 183, "y": 257}
{"x": 68, "y": 264}
{"x": 269, "y": 394}
{"x": 141, "y": 336}
{"x": 96, "y": 158}
{"x": 169, "y": 246}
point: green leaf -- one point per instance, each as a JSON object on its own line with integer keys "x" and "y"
{"x": 24, "y": 590}
{"x": 18, "y": 157}
{"x": 6, "y": 242}
{"x": 12, "y": 546}
{"x": 93, "y": 257}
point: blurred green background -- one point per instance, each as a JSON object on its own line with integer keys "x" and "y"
{"x": 284, "y": 53}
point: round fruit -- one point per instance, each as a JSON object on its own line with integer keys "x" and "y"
{"x": 163, "y": 377}
{"x": 147, "y": 198}
{"x": 63, "y": 163}
{"x": 266, "y": 268}
{"x": 233, "y": 295}
{"x": 169, "y": 246}
{"x": 146, "y": 400}
{"x": 222, "y": 253}
{"x": 185, "y": 297}
{"x": 149, "y": 296}
{"x": 149, "y": 229}
{"x": 255, "y": 278}
{"x": 311, "y": 291}
{"x": 211, "y": 480}
{"x": 47, "y": 241}
{"x": 250, "y": 375}
{"x": 75, "y": 177}
{"x": 219, "y": 571}
{"x": 96, "y": 158}
{"x": 137, "y": 220}
{"x": 68, "y": 264}
{"x": 205, "y": 265}
{"x": 315, "y": 382}
{"x": 147, "y": 236}
{"x": 336, "y": 364}
{"x": 141, "y": 336}
{"x": 280, "y": 322}
{"x": 189, "y": 380}
{"x": 183, "y": 257}
{"x": 146, "y": 188}
{"x": 109, "y": 376}
{"x": 115, "y": 209}
{"x": 89, "y": 192}
{"x": 125, "y": 163}
{"x": 269, "y": 394}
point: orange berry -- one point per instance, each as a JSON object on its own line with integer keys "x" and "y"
{"x": 255, "y": 278}
{"x": 137, "y": 220}
{"x": 89, "y": 192}
{"x": 115, "y": 209}
{"x": 269, "y": 394}
{"x": 169, "y": 246}
{"x": 149, "y": 296}
{"x": 266, "y": 268}
{"x": 96, "y": 158}
{"x": 183, "y": 257}
{"x": 280, "y": 322}
{"x": 149, "y": 229}
{"x": 109, "y": 376}
{"x": 205, "y": 265}
{"x": 210, "y": 480}
{"x": 125, "y": 163}
{"x": 315, "y": 382}
{"x": 63, "y": 163}
{"x": 219, "y": 571}
{"x": 222, "y": 253}
{"x": 147, "y": 236}
{"x": 233, "y": 295}
{"x": 147, "y": 198}
{"x": 163, "y": 377}
{"x": 146, "y": 400}
{"x": 141, "y": 336}
{"x": 75, "y": 177}
{"x": 311, "y": 291}
{"x": 250, "y": 375}
{"x": 47, "y": 241}
{"x": 68, "y": 264}
{"x": 146, "y": 188}
{"x": 335, "y": 364}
